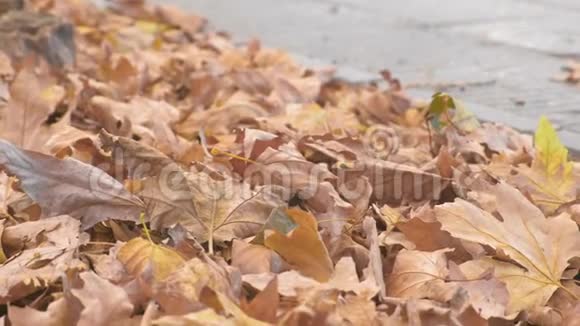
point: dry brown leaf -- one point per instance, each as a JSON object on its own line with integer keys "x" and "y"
{"x": 76, "y": 188}
{"x": 55, "y": 314}
{"x": 416, "y": 270}
{"x": 300, "y": 246}
{"x": 25, "y": 121}
{"x": 395, "y": 183}
{"x": 164, "y": 186}
{"x": 264, "y": 305}
{"x": 104, "y": 303}
{"x": 419, "y": 274}
{"x": 290, "y": 283}
{"x": 541, "y": 246}
{"x": 205, "y": 317}
{"x": 254, "y": 259}
{"x": 375, "y": 268}
{"x": 313, "y": 183}
{"x": 140, "y": 255}
{"x": 37, "y": 268}
{"x": 227, "y": 209}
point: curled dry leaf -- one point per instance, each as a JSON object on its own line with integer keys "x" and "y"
{"x": 313, "y": 183}
{"x": 291, "y": 283}
{"x": 254, "y": 259}
{"x": 395, "y": 183}
{"x": 541, "y": 246}
{"x": 103, "y": 302}
{"x": 39, "y": 266}
{"x": 264, "y": 306}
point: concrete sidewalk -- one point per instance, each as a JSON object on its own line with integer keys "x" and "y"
{"x": 499, "y": 56}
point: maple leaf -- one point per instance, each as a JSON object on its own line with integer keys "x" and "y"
{"x": 212, "y": 206}
{"x": 33, "y": 100}
{"x": 413, "y": 270}
{"x": 542, "y": 247}
{"x": 140, "y": 254}
{"x": 227, "y": 209}
{"x": 550, "y": 180}
{"x": 420, "y": 274}
{"x": 76, "y": 188}
{"x": 164, "y": 186}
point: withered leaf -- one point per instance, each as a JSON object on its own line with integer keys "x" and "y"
{"x": 140, "y": 255}
{"x": 541, "y": 246}
{"x": 69, "y": 187}
{"x": 301, "y": 246}
{"x": 103, "y": 302}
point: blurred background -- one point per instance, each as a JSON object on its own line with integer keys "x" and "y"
{"x": 502, "y": 57}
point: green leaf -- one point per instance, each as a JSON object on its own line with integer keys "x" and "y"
{"x": 441, "y": 103}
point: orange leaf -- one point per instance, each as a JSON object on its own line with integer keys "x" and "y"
{"x": 302, "y": 246}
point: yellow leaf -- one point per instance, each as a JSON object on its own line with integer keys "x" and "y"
{"x": 301, "y": 246}
{"x": 151, "y": 27}
{"x": 549, "y": 181}
{"x": 310, "y": 117}
{"x": 463, "y": 118}
{"x": 550, "y": 152}
{"x": 139, "y": 254}
{"x": 389, "y": 215}
{"x": 441, "y": 103}
{"x": 3, "y": 257}
{"x": 541, "y": 246}
{"x": 84, "y": 29}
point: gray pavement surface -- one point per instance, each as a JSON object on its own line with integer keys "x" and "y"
{"x": 499, "y": 56}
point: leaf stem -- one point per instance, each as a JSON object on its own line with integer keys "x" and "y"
{"x": 145, "y": 228}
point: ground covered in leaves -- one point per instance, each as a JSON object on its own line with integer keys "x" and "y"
{"x": 174, "y": 177}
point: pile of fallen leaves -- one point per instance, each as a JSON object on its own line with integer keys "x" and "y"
{"x": 174, "y": 177}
